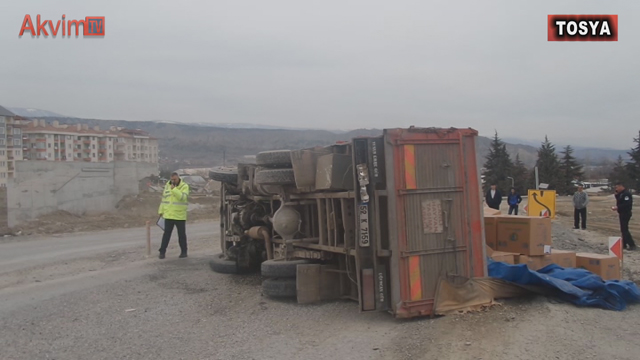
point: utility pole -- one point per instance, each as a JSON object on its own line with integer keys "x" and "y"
{"x": 537, "y": 179}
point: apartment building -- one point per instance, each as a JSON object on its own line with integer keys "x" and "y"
{"x": 135, "y": 145}
{"x": 55, "y": 142}
{"x": 79, "y": 142}
{"x": 11, "y": 127}
{"x": 23, "y": 139}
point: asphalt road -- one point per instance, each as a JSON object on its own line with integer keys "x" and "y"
{"x": 41, "y": 250}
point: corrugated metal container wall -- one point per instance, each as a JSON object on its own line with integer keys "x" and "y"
{"x": 435, "y": 213}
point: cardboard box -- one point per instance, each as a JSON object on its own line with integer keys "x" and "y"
{"x": 505, "y": 257}
{"x": 489, "y": 250}
{"x": 334, "y": 172}
{"x": 565, "y": 259}
{"x": 606, "y": 266}
{"x": 491, "y": 231}
{"x": 527, "y": 235}
{"x": 491, "y": 212}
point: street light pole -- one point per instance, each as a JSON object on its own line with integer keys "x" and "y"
{"x": 512, "y": 181}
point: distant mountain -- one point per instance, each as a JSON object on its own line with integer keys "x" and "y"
{"x": 519, "y": 141}
{"x": 32, "y": 112}
{"x": 251, "y": 126}
{"x": 528, "y": 154}
{"x": 204, "y": 144}
{"x": 38, "y": 113}
{"x": 593, "y": 155}
{"x": 586, "y": 154}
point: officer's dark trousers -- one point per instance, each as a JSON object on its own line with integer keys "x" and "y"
{"x": 624, "y": 229}
{"x": 182, "y": 235}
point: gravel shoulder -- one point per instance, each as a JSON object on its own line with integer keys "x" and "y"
{"x": 121, "y": 305}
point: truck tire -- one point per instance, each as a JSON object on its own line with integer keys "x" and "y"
{"x": 223, "y": 266}
{"x": 274, "y": 159}
{"x": 275, "y": 177}
{"x": 279, "y": 288}
{"x": 281, "y": 269}
{"x": 224, "y": 174}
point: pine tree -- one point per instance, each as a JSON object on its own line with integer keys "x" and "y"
{"x": 620, "y": 173}
{"x": 570, "y": 170}
{"x": 548, "y": 164}
{"x": 498, "y": 165}
{"x": 520, "y": 175}
{"x": 633, "y": 166}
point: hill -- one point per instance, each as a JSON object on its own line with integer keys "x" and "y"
{"x": 32, "y": 112}
{"x": 203, "y": 145}
{"x": 184, "y": 145}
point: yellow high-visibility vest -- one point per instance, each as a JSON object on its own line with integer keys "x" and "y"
{"x": 175, "y": 202}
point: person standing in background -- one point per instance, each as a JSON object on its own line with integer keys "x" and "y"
{"x": 624, "y": 204}
{"x": 580, "y": 202}
{"x": 514, "y": 199}
{"x": 493, "y": 197}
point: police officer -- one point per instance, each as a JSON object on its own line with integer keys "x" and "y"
{"x": 173, "y": 208}
{"x": 624, "y": 203}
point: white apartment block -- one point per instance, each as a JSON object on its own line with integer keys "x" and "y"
{"x": 10, "y": 144}
{"x": 135, "y": 145}
{"x": 79, "y": 142}
{"x": 55, "y": 142}
{"x": 22, "y": 139}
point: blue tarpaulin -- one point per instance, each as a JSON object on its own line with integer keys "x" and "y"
{"x": 577, "y": 286}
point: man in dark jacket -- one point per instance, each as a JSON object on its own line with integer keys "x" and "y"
{"x": 493, "y": 197}
{"x": 624, "y": 204}
{"x": 580, "y": 202}
{"x": 514, "y": 199}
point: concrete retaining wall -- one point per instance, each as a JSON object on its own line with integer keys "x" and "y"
{"x": 4, "y": 226}
{"x": 41, "y": 187}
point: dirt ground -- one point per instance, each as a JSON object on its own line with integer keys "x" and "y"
{"x": 602, "y": 223}
{"x": 82, "y": 296}
{"x": 118, "y": 304}
{"x": 600, "y": 217}
{"x": 132, "y": 211}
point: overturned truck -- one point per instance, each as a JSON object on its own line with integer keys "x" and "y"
{"x": 378, "y": 220}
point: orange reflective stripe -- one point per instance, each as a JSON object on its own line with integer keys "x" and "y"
{"x": 410, "y": 166}
{"x": 414, "y": 278}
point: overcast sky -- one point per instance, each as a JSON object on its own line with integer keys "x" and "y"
{"x": 333, "y": 64}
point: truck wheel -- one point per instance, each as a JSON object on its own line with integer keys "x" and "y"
{"x": 275, "y": 177}
{"x": 279, "y": 288}
{"x": 223, "y": 266}
{"x": 274, "y": 159}
{"x": 224, "y": 174}
{"x": 281, "y": 269}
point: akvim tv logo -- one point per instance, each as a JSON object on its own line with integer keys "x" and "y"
{"x": 91, "y": 26}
